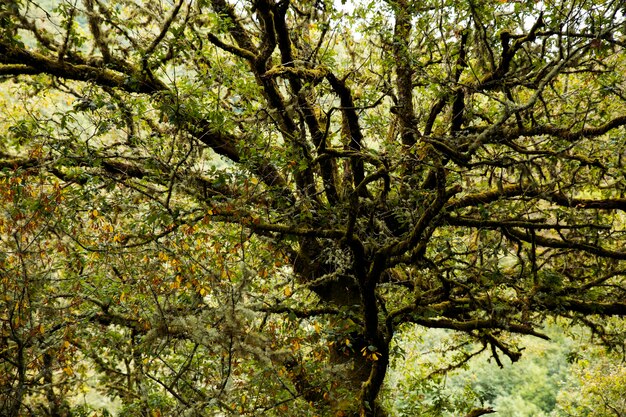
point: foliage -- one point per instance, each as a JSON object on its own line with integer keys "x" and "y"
{"x": 216, "y": 208}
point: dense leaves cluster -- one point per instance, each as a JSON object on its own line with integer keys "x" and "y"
{"x": 233, "y": 207}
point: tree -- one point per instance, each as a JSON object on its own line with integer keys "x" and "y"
{"x": 233, "y": 207}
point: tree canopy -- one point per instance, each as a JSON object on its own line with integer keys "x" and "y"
{"x": 213, "y": 207}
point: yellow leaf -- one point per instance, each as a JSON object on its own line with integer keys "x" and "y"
{"x": 288, "y": 292}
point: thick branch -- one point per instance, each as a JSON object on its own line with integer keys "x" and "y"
{"x": 525, "y": 224}
{"x": 240, "y": 52}
{"x": 486, "y": 197}
{"x": 565, "y": 133}
{"x": 494, "y": 79}
{"x": 404, "y": 72}
{"x": 567, "y": 244}
{"x": 94, "y": 26}
{"x": 471, "y": 325}
{"x": 132, "y": 82}
{"x": 351, "y": 123}
{"x": 236, "y": 29}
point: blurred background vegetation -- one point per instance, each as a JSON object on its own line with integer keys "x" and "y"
{"x": 567, "y": 376}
